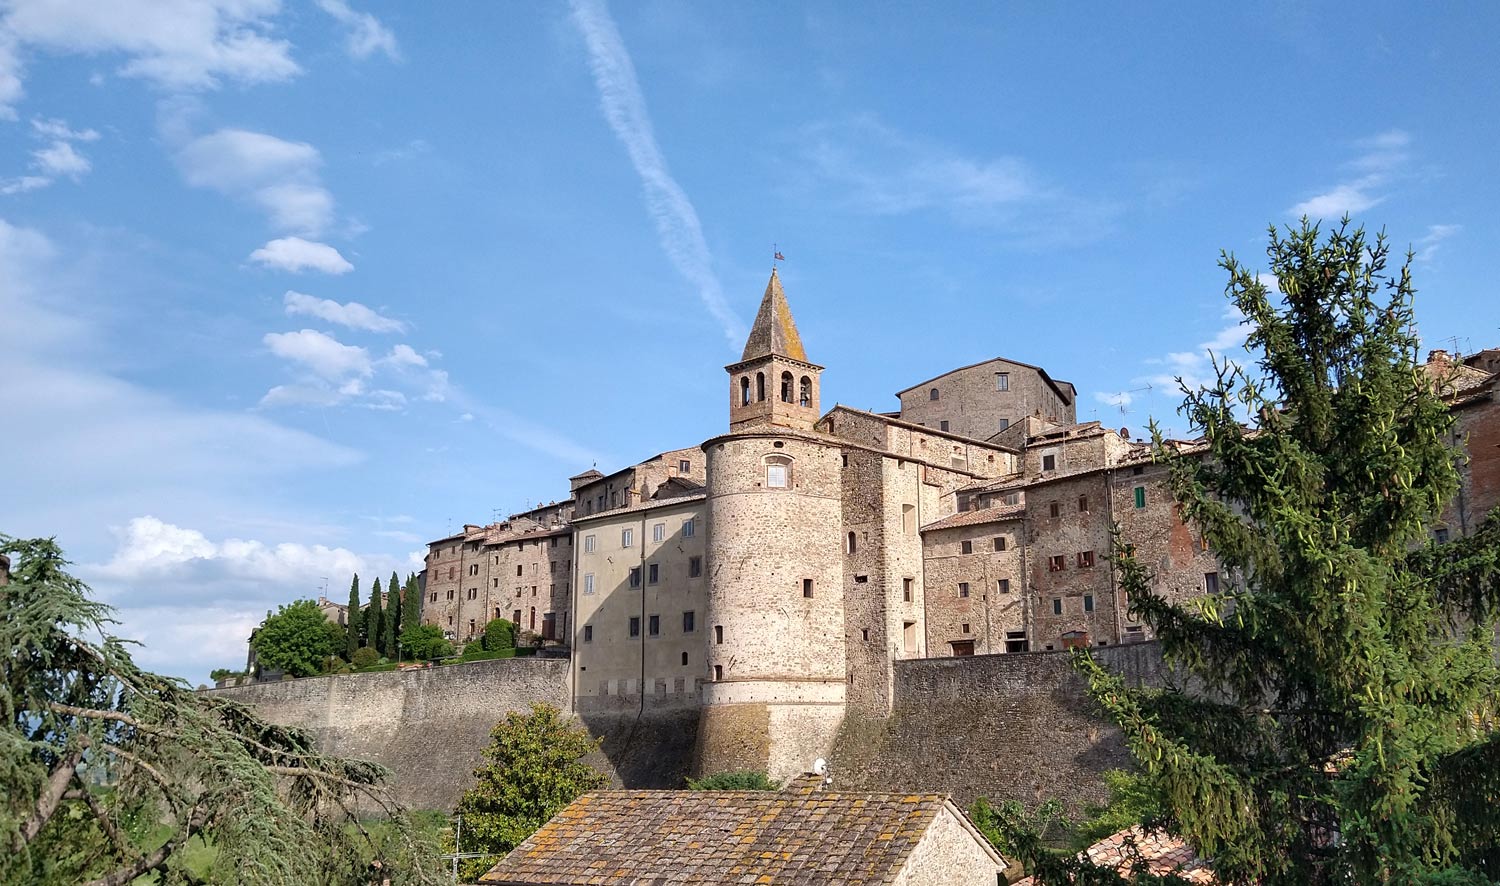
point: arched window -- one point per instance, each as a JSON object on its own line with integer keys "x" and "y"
{"x": 760, "y": 386}
{"x": 852, "y": 544}
{"x": 744, "y": 390}
{"x": 806, "y": 395}
{"x": 932, "y": 394}
{"x": 778, "y": 472}
{"x": 786, "y": 387}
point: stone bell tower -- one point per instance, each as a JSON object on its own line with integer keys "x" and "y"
{"x": 773, "y": 383}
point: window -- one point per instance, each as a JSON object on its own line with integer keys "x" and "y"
{"x": 450, "y": 594}
{"x": 744, "y": 390}
{"x": 627, "y": 538}
{"x": 718, "y": 672}
{"x": 908, "y": 519}
{"x": 695, "y": 567}
{"x": 684, "y": 664}
{"x": 1088, "y": 602}
{"x": 932, "y": 394}
{"x": 635, "y": 576}
{"x": 515, "y": 618}
{"x": 1002, "y": 586}
{"x": 1083, "y": 504}
{"x": 804, "y": 398}
{"x": 1211, "y": 582}
{"x": 1440, "y": 535}
{"x": 653, "y": 573}
{"x": 689, "y": 623}
{"x": 1056, "y": 564}
{"x": 494, "y": 582}
{"x": 1054, "y": 509}
{"x": 964, "y": 628}
{"x": 1015, "y": 641}
{"x": 1002, "y": 381}
{"x": 999, "y": 542}
{"x": 1140, "y": 496}
{"x": 718, "y": 634}
{"x": 786, "y": 387}
{"x": 1056, "y": 606}
{"x": 760, "y": 386}
{"x": 452, "y": 572}
{"x": 688, "y": 528}
{"x": 1049, "y": 462}
{"x": 966, "y": 547}
{"x": 1011, "y": 498}
{"x": 908, "y": 586}
{"x": 684, "y": 466}
{"x": 474, "y": 569}
{"x": 807, "y": 587}
{"x": 653, "y": 625}
{"x": 497, "y": 611}
{"x": 852, "y": 545}
{"x": 864, "y": 634}
{"x": 658, "y": 532}
{"x": 1137, "y": 471}
{"x": 635, "y": 626}
{"x": 588, "y": 583}
{"x": 909, "y": 635}
{"x": 778, "y": 472}
{"x": 434, "y": 597}
{"x": 588, "y": 544}
{"x": 1004, "y": 423}
{"x": 942, "y": 426}
{"x": 861, "y": 579}
{"x": 963, "y": 591}
{"x": 518, "y": 569}
{"x": 1085, "y": 559}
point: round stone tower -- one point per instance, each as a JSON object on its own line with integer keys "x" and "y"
{"x": 775, "y": 616}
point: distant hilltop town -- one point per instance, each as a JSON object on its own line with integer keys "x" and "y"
{"x": 771, "y": 577}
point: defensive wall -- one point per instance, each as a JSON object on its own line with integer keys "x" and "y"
{"x": 1015, "y": 726}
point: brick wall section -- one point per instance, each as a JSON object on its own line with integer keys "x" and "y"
{"x": 428, "y": 726}
{"x": 986, "y": 613}
{"x": 1008, "y": 727}
{"x": 1477, "y": 432}
{"x": 970, "y": 403}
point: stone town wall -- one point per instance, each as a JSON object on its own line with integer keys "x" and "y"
{"x": 1008, "y": 727}
{"x": 428, "y": 725}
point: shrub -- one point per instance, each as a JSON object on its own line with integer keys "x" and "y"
{"x": 365, "y": 656}
{"x": 498, "y": 634}
{"x": 425, "y": 642}
{"x": 744, "y": 780}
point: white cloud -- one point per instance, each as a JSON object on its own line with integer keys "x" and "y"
{"x": 624, "y": 107}
{"x": 1195, "y": 367}
{"x": 874, "y": 169}
{"x": 404, "y": 355}
{"x": 1427, "y": 247}
{"x": 60, "y": 130}
{"x": 1382, "y": 159}
{"x": 367, "y": 35}
{"x": 324, "y": 355}
{"x": 279, "y": 176}
{"x": 1114, "y": 398}
{"x": 295, "y": 254}
{"x": 177, "y": 44}
{"x": 24, "y": 183}
{"x": 351, "y": 314}
{"x": 59, "y": 158}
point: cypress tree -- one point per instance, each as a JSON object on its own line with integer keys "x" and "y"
{"x": 375, "y": 621}
{"x": 393, "y": 614}
{"x": 351, "y": 630}
{"x": 1344, "y": 728}
{"x": 411, "y": 603}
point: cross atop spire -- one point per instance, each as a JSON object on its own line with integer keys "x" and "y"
{"x": 774, "y": 331}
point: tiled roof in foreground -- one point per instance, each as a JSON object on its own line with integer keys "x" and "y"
{"x": 615, "y": 838}
{"x": 1162, "y": 852}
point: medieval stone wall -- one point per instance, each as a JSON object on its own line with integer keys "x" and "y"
{"x": 1007, "y": 727}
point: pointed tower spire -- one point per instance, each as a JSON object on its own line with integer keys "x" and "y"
{"x": 774, "y": 384}
{"x": 774, "y": 332}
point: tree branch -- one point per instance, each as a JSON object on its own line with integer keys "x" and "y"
{"x": 144, "y": 865}
{"x": 126, "y": 849}
{"x": 52, "y": 795}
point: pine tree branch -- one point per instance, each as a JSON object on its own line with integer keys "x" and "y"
{"x": 58, "y": 782}
{"x": 146, "y": 864}
{"x": 122, "y": 845}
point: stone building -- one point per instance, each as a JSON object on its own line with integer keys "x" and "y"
{"x": 771, "y": 578}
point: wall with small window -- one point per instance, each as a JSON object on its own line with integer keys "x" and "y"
{"x": 973, "y": 575}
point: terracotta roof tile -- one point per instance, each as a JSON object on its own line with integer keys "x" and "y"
{"x": 1162, "y": 852}
{"x": 715, "y": 838}
{"x": 975, "y": 518}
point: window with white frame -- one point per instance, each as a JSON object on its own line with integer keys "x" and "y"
{"x": 588, "y": 583}
{"x": 627, "y": 538}
{"x": 658, "y": 532}
{"x": 588, "y": 544}
{"x": 688, "y": 528}
{"x": 778, "y": 472}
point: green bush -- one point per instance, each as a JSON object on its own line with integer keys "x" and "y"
{"x": 744, "y": 780}
{"x": 424, "y": 642}
{"x": 477, "y": 652}
{"x": 498, "y": 634}
{"x": 365, "y": 656}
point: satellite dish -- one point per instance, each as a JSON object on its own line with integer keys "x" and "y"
{"x": 820, "y": 766}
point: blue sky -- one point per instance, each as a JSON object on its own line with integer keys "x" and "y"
{"x": 289, "y": 288}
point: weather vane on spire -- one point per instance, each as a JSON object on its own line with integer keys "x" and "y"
{"x": 776, "y": 256}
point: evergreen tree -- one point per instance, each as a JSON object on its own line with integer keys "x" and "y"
{"x": 352, "y": 628}
{"x": 411, "y": 603}
{"x": 532, "y": 768}
{"x": 1344, "y": 725}
{"x": 393, "y": 613}
{"x": 375, "y": 621}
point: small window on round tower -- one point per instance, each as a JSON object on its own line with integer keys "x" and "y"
{"x": 778, "y": 472}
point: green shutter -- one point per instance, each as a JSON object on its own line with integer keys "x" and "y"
{"x": 1140, "y": 496}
